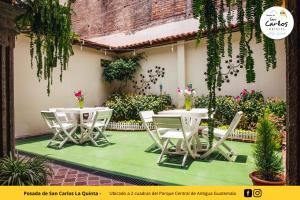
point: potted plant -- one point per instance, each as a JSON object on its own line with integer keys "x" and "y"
{"x": 80, "y": 97}
{"x": 188, "y": 93}
{"x": 267, "y": 160}
{"x": 24, "y": 171}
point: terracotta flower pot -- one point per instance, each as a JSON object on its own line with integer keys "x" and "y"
{"x": 258, "y": 181}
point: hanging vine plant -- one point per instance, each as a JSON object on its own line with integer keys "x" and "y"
{"x": 214, "y": 24}
{"x": 51, "y": 36}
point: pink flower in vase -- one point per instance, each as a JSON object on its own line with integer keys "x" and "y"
{"x": 79, "y": 95}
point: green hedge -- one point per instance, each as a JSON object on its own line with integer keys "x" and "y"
{"x": 250, "y": 102}
{"x": 127, "y": 107}
{"x": 225, "y": 110}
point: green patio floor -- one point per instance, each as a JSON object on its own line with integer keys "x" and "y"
{"x": 127, "y": 157}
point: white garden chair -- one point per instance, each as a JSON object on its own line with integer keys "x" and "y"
{"x": 63, "y": 131}
{"x": 178, "y": 130}
{"x": 61, "y": 115}
{"x": 146, "y": 117}
{"x": 94, "y": 130}
{"x": 221, "y": 136}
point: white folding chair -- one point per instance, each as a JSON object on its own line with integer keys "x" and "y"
{"x": 178, "y": 131}
{"x": 146, "y": 117}
{"x": 62, "y": 116}
{"x": 220, "y": 137}
{"x": 63, "y": 131}
{"x": 94, "y": 130}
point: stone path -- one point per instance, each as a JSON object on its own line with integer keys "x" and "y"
{"x": 68, "y": 176}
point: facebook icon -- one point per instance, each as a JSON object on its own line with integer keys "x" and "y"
{"x": 247, "y": 193}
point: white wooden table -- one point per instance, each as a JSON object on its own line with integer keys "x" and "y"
{"x": 81, "y": 115}
{"x": 201, "y": 112}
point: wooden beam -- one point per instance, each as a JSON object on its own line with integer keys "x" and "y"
{"x": 293, "y": 97}
{"x": 7, "y": 44}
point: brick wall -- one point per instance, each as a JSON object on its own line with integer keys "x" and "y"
{"x": 105, "y": 17}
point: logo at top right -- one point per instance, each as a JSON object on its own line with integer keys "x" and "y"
{"x": 276, "y": 22}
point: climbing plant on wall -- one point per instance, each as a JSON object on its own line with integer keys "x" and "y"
{"x": 215, "y": 23}
{"x": 121, "y": 69}
{"x": 51, "y": 36}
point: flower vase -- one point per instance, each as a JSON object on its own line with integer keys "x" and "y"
{"x": 81, "y": 104}
{"x": 188, "y": 103}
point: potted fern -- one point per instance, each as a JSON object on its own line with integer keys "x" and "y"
{"x": 267, "y": 160}
{"x": 24, "y": 171}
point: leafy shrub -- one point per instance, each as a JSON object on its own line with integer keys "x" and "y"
{"x": 226, "y": 107}
{"x": 268, "y": 162}
{"x": 121, "y": 69}
{"x": 24, "y": 171}
{"x": 225, "y": 110}
{"x": 252, "y": 105}
{"x": 276, "y": 106}
{"x": 201, "y": 102}
{"x": 127, "y": 107}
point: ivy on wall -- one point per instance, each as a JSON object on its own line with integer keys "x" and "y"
{"x": 121, "y": 69}
{"x": 214, "y": 23}
{"x": 51, "y": 36}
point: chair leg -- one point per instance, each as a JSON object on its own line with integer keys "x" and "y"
{"x": 152, "y": 147}
{"x": 163, "y": 150}
{"x": 184, "y": 159}
{"x": 227, "y": 156}
{"x": 206, "y": 154}
{"x": 62, "y": 143}
{"x": 69, "y": 135}
{"x": 228, "y": 148}
{"x": 93, "y": 141}
{"x": 101, "y": 132}
{"x": 53, "y": 139}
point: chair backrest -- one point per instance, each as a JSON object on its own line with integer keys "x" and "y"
{"x": 234, "y": 123}
{"x": 146, "y": 117}
{"x": 167, "y": 121}
{"x": 103, "y": 116}
{"x": 170, "y": 122}
{"x": 51, "y": 119}
{"x": 192, "y": 121}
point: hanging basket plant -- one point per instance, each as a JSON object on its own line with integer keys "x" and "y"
{"x": 51, "y": 36}
{"x": 215, "y": 24}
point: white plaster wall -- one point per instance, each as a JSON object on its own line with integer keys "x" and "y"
{"x": 84, "y": 73}
{"x": 272, "y": 83}
{"x": 164, "y": 58}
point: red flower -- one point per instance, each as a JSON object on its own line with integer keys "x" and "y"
{"x": 244, "y": 92}
{"x": 78, "y": 94}
{"x": 252, "y": 91}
